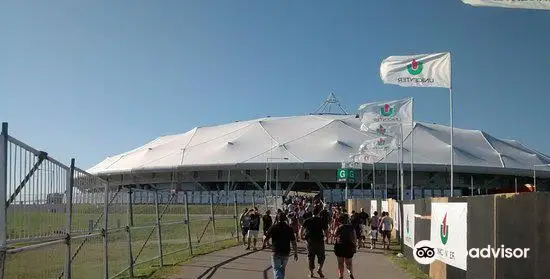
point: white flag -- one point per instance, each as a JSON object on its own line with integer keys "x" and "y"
{"x": 518, "y": 4}
{"x": 378, "y": 144}
{"x": 398, "y": 111}
{"x": 382, "y": 129}
{"x": 423, "y": 70}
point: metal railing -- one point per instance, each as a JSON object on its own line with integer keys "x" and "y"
{"x": 62, "y": 222}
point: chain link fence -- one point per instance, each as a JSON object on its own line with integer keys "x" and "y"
{"x": 62, "y": 222}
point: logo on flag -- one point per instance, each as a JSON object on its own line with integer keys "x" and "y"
{"x": 381, "y": 142}
{"x": 387, "y": 110}
{"x": 381, "y": 130}
{"x": 444, "y": 231}
{"x": 415, "y": 67}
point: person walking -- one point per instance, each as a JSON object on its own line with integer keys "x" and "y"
{"x": 356, "y": 223}
{"x": 254, "y": 227}
{"x": 325, "y": 216}
{"x": 245, "y": 223}
{"x": 313, "y": 232}
{"x": 374, "y": 222}
{"x": 281, "y": 235}
{"x": 267, "y": 222}
{"x": 345, "y": 246}
{"x": 386, "y": 226}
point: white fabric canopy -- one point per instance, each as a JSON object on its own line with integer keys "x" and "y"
{"x": 316, "y": 141}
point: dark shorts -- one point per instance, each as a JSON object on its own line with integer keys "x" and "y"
{"x": 342, "y": 250}
{"x": 386, "y": 234}
{"x": 244, "y": 231}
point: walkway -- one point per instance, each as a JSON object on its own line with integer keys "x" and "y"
{"x": 238, "y": 263}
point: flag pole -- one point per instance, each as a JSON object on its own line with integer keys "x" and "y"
{"x": 374, "y": 176}
{"x": 401, "y": 166}
{"x": 412, "y": 148}
{"x": 452, "y": 131}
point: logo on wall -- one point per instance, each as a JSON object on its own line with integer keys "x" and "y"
{"x": 444, "y": 231}
{"x": 387, "y": 110}
{"x": 415, "y": 67}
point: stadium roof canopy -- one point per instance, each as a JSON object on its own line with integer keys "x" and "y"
{"x": 318, "y": 142}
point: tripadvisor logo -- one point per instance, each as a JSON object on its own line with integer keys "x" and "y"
{"x": 444, "y": 231}
{"x": 415, "y": 67}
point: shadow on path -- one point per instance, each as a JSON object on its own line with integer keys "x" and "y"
{"x": 212, "y": 270}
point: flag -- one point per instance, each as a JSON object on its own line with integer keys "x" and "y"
{"x": 423, "y": 70}
{"x": 397, "y": 111}
{"x": 382, "y": 129}
{"x": 381, "y": 143}
{"x": 523, "y": 4}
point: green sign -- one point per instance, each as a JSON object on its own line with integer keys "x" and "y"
{"x": 345, "y": 175}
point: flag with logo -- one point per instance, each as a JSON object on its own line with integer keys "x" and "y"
{"x": 396, "y": 111}
{"x": 523, "y": 4}
{"x": 422, "y": 70}
{"x": 448, "y": 233}
{"x": 382, "y": 129}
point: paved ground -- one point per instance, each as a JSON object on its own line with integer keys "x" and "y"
{"x": 238, "y": 263}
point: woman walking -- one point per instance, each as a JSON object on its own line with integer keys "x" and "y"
{"x": 345, "y": 246}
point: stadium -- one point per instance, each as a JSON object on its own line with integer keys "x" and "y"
{"x": 303, "y": 153}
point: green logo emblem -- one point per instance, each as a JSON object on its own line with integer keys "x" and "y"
{"x": 415, "y": 67}
{"x": 387, "y": 110}
{"x": 444, "y": 231}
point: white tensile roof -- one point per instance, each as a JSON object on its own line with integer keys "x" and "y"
{"x": 318, "y": 141}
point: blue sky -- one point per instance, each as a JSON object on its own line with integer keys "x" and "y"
{"x": 89, "y": 79}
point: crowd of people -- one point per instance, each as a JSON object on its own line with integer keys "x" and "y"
{"x": 308, "y": 218}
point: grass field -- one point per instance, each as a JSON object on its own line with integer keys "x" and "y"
{"x": 48, "y": 262}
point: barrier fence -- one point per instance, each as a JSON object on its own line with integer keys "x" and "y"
{"x": 505, "y": 221}
{"x": 62, "y": 222}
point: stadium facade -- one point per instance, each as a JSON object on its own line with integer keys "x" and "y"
{"x": 303, "y": 153}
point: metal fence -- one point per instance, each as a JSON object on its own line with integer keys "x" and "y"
{"x": 62, "y": 222}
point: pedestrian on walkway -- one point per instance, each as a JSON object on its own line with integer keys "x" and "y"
{"x": 282, "y": 236}
{"x": 345, "y": 246}
{"x": 254, "y": 227}
{"x": 313, "y": 232}
{"x": 267, "y": 222}
{"x": 386, "y": 226}
{"x": 374, "y": 223}
{"x": 245, "y": 224}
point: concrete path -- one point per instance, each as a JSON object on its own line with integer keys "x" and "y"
{"x": 238, "y": 263}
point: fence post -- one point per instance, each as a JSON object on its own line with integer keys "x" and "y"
{"x": 237, "y": 234}
{"x": 130, "y": 224}
{"x": 253, "y": 198}
{"x": 69, "y": 212}
{"x": 212, "y": 217}
{"x": 3, "y": 193}
{"x": 105, "y": 230}
{"x": 187, "y": 221}
{"x": 159, "y": 233}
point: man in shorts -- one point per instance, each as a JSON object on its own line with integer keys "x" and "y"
{"x": 267, "y": 222}
{"x": 374, "y": 222}
{"x": 313, "y": 230}
{"x": 386, "y": 226}
{"x": 245, "y": 223}
{"x": 254, "y": 229}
